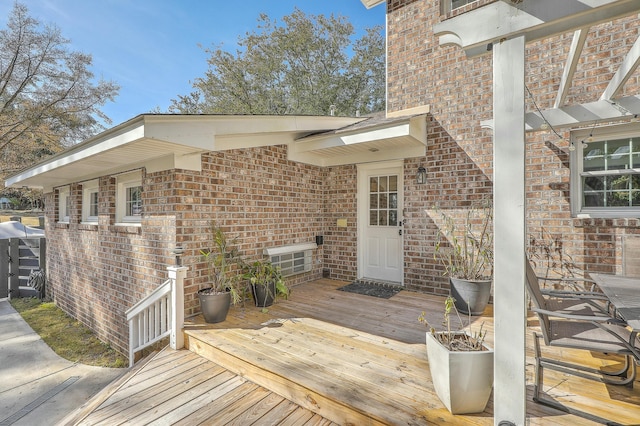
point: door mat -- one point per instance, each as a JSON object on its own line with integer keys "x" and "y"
{"x": 371, "y": 289}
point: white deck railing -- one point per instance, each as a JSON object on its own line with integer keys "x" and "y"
{"x": 158, "y": 315}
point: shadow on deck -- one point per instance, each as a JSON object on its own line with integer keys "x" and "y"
{"x": 328, "y": 356}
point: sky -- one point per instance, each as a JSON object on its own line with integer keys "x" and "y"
{"x": 153, "y": 49}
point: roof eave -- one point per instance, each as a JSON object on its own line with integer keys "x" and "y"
{"x": 399, "y": 138}
{"x": 372, "y": 3}
{"x": 168, "y": 141}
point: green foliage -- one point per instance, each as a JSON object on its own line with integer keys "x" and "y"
{"x": 454, "y": 340}
{"x": 49, "y": 98}
{"x": 303, "y": 65}
{"x": 262, "y": 273}
{"x": 465, "y": 246}
{"x": 223, "y": 266}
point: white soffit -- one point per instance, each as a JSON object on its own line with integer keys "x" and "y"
{"x": 371, "y": 3}
{"x": 388, "y": 139}
{"x": 536, "y": 19}
{"x": 162, "y": 142}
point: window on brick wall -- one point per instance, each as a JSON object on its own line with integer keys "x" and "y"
{"x": 90, "y": 202}
{"x": 64, "y": 204}
{"x": 605, "y": 179}
{"x": 293, "y": 263}
{"x": 448, "y": 5}
{"x": 129, "y": 198}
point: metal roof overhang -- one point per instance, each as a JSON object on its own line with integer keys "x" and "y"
{"x": 389, "y": 139}
{"x": 163, "y": 142}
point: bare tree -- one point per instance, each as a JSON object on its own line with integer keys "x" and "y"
{"x": 48, "y": 97}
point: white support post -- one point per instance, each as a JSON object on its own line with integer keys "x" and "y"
{"x": 177, "y": 274}
{"x": 509, "y": 231}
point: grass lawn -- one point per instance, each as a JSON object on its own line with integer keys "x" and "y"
{"x": 29, "y": 218}
{"x": 66, "y": 336}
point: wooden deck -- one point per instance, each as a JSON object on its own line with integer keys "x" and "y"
{"x": 183, "y": 388}
{"x": 330, "y": 357}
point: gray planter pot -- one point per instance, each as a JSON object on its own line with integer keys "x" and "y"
{"x": 214, "y": 306}
{"x": 470, "y": 296}
{"x": 264, "y": 295}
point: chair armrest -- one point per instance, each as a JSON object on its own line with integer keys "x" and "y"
{"x": 574, "y": 280}
{"x": 586, "y": 280}
{"x": 591, "y": 318}
{"x": 575, "y": 294}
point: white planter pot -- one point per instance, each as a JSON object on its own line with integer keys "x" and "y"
{"x": 463, "y": 380}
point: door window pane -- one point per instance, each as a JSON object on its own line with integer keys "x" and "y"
{"x": 393, "y": 218}
{"x": 373, "y": 217}
{"x": 393, "y": 183}
{"x": 383, "y": 201}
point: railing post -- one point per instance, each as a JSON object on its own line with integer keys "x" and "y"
{"x": 4, "y": 268}
{"x": 133, "y": 337}
{"x": 42, "y": 253}
{"x": 176, "y": 275}
{"x": 14, "y": 268}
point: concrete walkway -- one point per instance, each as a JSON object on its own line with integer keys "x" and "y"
{"x": 37, "y": 387}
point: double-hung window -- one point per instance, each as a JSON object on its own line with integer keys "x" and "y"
{"x": 90, "y": 202}
{"x": 64, "y": 204}
{"x": 606, "y": 172}
{"x": 129, "y": 198}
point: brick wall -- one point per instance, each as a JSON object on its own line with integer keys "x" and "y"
{"x": 459, "y": 152}
{"x": 96, "y": 272}
{"x": 259, "y": 198}
{"x": 341, "y": 242}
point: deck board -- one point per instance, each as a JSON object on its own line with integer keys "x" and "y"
{"x": 180, "y": 387}
{"x": 359, "y": 334}
{"x": 354, "y": 359}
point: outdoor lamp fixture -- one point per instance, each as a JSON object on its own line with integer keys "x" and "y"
{"x": 178, "y": 252}
{"x": 421, "y": 176}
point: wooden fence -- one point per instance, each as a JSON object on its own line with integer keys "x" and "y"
{"x": 18, "y": 258}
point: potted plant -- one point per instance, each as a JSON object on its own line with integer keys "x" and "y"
{"x": 465, "y": 248}
{"x": 223, "y": 271}
{"x": 266, "y": 282}
{"x": 461, "y": 365}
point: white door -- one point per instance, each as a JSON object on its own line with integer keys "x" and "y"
{"x": 380, "y": 205}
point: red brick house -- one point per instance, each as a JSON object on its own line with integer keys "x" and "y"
{"x": 119, "y": 203}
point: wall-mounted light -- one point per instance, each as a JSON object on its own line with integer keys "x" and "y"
{"x": 421, "y": 176}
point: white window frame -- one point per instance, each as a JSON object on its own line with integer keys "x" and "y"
{"x": 64, "y": 204}
{"x": 89, "y": 188}
{"x": 292, "y": 259}
{"x": 588, "y": 136}
{"x": 446, "y": 6}
{"x": 123, "y": 183}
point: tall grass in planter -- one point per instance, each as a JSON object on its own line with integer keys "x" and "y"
{"x": 464, "y": 246}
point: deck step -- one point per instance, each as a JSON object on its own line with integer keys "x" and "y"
{"x": 297, "y": 359}
{"x": 88, "y": 407}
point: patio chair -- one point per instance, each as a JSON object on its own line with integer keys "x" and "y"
{"x": 573, "y": 298}
{"x": 580, "y": 326}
